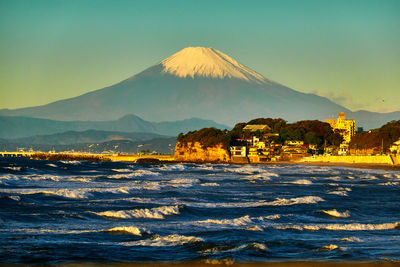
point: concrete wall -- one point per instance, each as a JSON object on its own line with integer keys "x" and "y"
{"x": 380, "y": 159}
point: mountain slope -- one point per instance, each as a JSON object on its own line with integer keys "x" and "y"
{"x": 19, "y": 127}
{"x": 195, "y": 82}
{"x": 89, "y": 136}
{"x": 161, "y": 145}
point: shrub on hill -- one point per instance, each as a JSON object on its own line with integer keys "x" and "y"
{"x": 386, "y": 135}
{"x": 311, "y": 132}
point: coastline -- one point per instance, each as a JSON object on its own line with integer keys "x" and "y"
{"x": 169, "y": 159}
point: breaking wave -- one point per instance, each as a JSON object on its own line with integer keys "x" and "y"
{"x": 137, "y": 173}
{"x": 162, "y": 241}
{"x": 242, "y": 221}
{"x": 343, "y": 227}
{"x": 127, "y": 229}
{"x": 154, "y": 213}
{"x": 335, "y": 213}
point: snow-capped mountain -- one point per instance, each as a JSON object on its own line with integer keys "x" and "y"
{"x": 208, "y": 62}
{"x": 197, "y": 82}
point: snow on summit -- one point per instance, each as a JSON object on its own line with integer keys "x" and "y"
{"x": 207, "y": 62}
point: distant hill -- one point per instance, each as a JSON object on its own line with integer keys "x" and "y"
{"x": 19, "y": 127}
{"x": 161, "y": 145}
{"x": 89, "y": 136}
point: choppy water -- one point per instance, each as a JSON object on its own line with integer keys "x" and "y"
{"x": 60, "y": 212}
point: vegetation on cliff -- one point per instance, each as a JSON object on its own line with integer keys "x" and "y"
{"x": 309, "y": 131}
{"x": 375, "y": 139}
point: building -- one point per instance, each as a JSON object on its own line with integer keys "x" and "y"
{"x": 238, "y": 151}
{"x": 346, "y": 128}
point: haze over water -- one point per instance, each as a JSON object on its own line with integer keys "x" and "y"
{"x": 62, "y": 212}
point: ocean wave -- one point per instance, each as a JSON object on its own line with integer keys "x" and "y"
{"x": 389, "y": 183}
{"x": 209, "y": 184}
{"x": 263, "y": 177}
{"x": 300, "y": 181}
{"x": 260, "y": 203}
{"x": 67, "y": 193}
{"x": 254, "y": 228}
{"x": 172, "y": 167}
{"x": 294, "y": 201}
{"x": 137, "y": 173}
{"x": 335, "y": 213}
{"x": 74, "y": 162}
{"x": 154, "y": 213}
{"x": 339, "y": 193}
{"x": 350, "y": 239}
{"x": 330, "y": 248}
{"x": 242, "y": 221}
{"x": 163, "y": 241}
{"x": 121, "y": 170}
{"x": 270, "y": 217}
{"x": 52, "y": 165}
{"x": 250, "y": 169}
{"x": 204, "y": 168}
{"x": 342, "y": 227}
{"x": 13, "y": 168}
{"x": 80, "y": 193}
{"x": 15, "y": 198}
{"x": 182, "y": 182}
{"x": 127, "y": 229}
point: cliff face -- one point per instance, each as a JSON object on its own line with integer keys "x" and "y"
{"x": 196, "y": 153}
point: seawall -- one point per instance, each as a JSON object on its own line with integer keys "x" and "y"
{"x": 376, "y": 159}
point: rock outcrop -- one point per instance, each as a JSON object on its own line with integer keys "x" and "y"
{"x": 195, "y": 152}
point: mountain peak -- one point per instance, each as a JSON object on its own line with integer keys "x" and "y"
{"x": 207, "y": 62}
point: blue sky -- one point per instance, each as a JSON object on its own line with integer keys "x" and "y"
{"x": 346, "y": 50}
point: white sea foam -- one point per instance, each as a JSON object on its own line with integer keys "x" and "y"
{"x": 254, "y": 228}
{"x": 205, "y": 168}
{"x": 338, "y": 192}
{"x": 301, "y": 181}
{"x": 182, "y": 182}
{"x": 74, "y": 162}
{"x": 389, "y": 183}
{"x": 67, "y": 193}
{"x": 13, "y": 168}
{"x": 277, "y": 202}
{"x": 121, "y": 170}
{"x": 294, "y": 201}
{"x": 15, "y": 198}
{"x": 154, "y": 213}
{"x": 52, "y": 165}
{"x": 136, "y": 173}
{"x": 342, "y": 227}
{"x": 172, "y": 167}
{"x": 335, "y": 213}
{"x": 162, "y": 241}
{"x": 242, "y": 221}
{"x": 209, "y": 184}
{"x": 350, "y": 239}
{"x": 270, "y": 217}
{"x": 127, "y": 229}
{"x": 264, "y": 177}
{"x": 329, "y": 247}
{"x": 249, "y": 169}
{"x": 80, "y": 193}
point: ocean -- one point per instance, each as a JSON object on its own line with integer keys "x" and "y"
{"x": 58, "y": 212}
